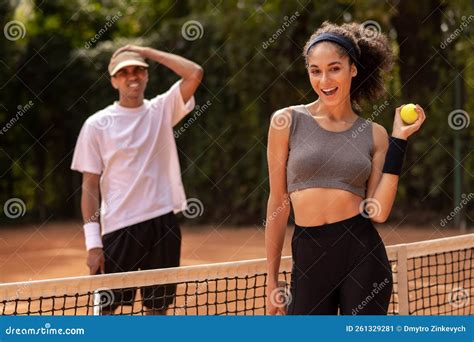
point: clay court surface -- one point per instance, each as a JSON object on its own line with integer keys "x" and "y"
{"x": 56, "y": 250}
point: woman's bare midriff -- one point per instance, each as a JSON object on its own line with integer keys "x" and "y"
{"x": 317, "y": 206}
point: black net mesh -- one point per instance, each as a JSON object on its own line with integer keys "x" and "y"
{"x": 225, "y": 296}
{"x": 441, "y": 283}
{"x": 438, "y": 284}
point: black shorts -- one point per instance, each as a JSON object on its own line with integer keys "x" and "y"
{"x": 152, "y": 244}
{"x": 340, "y": 267}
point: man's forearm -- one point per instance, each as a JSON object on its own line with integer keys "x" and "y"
{"x": 181, "y": 66}
{"x": 90, "y": 205}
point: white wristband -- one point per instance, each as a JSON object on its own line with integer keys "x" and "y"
{"x": 92, "y": 235}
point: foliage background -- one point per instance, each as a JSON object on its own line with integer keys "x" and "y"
{"x": 223, "y": 153}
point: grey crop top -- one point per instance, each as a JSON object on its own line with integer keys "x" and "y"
{"x": 319, "y": 158}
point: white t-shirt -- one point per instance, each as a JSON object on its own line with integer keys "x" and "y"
{"x": 134, "y": 151}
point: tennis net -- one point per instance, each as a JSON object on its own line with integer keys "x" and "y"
{"x": 433, "y": 277}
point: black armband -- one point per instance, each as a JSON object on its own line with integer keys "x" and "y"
{"x": 395, "y": 155}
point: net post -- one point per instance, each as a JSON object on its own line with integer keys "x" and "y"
{"x": 97, "y": 301}
{"x": 402, "y": 264}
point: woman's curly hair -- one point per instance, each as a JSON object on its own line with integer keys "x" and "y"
{"x": 376, "y": 57}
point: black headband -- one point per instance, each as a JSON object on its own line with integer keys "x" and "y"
{"x": 338, "y": 39}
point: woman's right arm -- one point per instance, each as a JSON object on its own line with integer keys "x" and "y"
{"x": 278, "y": 207}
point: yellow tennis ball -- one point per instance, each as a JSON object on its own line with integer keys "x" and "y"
{"x": 409, "y": 114}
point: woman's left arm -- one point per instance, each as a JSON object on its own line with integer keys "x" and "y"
{"x": 382, "y": 187}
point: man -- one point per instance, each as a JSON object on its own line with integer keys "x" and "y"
{"x": 128, "y": 157}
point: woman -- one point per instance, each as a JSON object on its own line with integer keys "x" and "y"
{"x": 340, "y": 172}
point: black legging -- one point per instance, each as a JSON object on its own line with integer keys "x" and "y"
{"x": 341, "y": 265}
